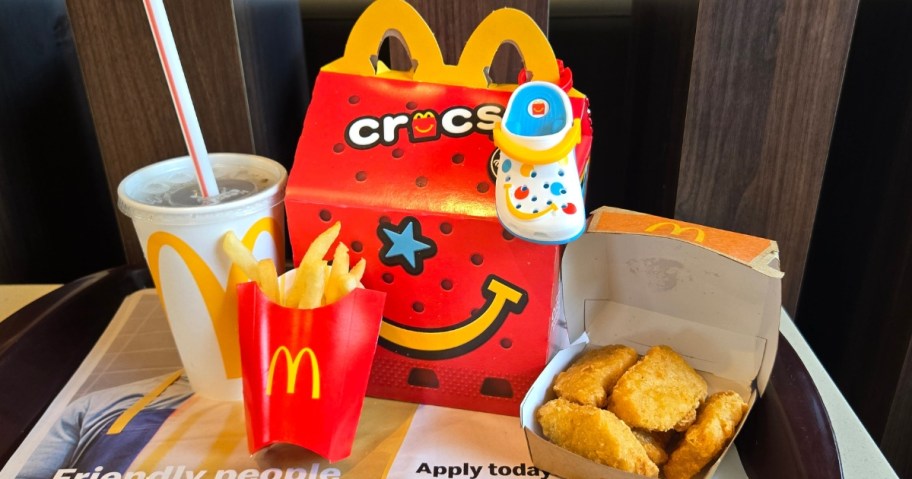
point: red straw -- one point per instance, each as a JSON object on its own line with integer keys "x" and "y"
{"x": 180, "y": 94}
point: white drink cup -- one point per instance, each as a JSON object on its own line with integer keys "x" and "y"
{"x": 195, "y": 279}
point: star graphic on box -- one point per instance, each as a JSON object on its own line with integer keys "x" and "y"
{"x": 405, "y": 246}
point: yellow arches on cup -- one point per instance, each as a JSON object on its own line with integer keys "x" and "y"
{"x": 221, "y": 303}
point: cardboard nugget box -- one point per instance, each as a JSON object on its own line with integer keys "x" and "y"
{"x": 640, "y": 280}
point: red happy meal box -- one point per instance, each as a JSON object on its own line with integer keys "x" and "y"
{"x": 405, "y": 160}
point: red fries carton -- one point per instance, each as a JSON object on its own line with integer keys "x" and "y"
{"x": 406, "y": 161}
{"x": 639, "y": 280}
{"x": 305, "y": 370}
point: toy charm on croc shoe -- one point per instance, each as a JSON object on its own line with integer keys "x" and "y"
{"x": 538, "y": 191}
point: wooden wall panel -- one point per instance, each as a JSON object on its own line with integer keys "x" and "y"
{"x": 132, "y": 110}
{"x": 765, "y": 83}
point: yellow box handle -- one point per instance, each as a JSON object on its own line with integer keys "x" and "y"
{"x": 507, "y": 25}
{"x": 382, "y": 19}
{"x": 385, "y": 18}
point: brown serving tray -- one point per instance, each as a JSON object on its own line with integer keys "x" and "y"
{"x": 787, "y": 435}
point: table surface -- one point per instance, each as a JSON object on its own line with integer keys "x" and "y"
{"x": 15, "y": 296}
{"x": 858, "y": 452}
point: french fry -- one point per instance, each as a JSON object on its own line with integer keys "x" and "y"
{"x": 318, "y": 284}
{"x": 268, "y": 280}
{"x": 340, "y": 287}
{"x": 263, "y": 272}
{"x": 327, "y": 270}
{"x": 312, "y": 258}
{"x": 320, "y": 245}
{"x": 335, "y": 287}
{"x": 357, "y": 270}
{"x": 349, "y": 283}
{"x": 311, "y": 274}
{"x": 293, "y": 295}
{"x": 240, "y": 255}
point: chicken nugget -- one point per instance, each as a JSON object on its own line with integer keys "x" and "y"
{"x": 595, "y": 434}
{"x": 686, "y": 421}
{"x": 654, "y": 442}
{"x": 590, "y": 379}
{"x": 658, "y": 392}
{"x": 702, "y": 443}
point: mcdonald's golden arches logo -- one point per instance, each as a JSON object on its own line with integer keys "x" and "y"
{"x": 293, "y": 365}
{"x": 740, "y": 247}
{"x": 677, "y": 230}
{"x": 221, "y": 303}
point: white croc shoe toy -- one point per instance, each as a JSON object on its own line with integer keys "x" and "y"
{"x": 539, "y": 197}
